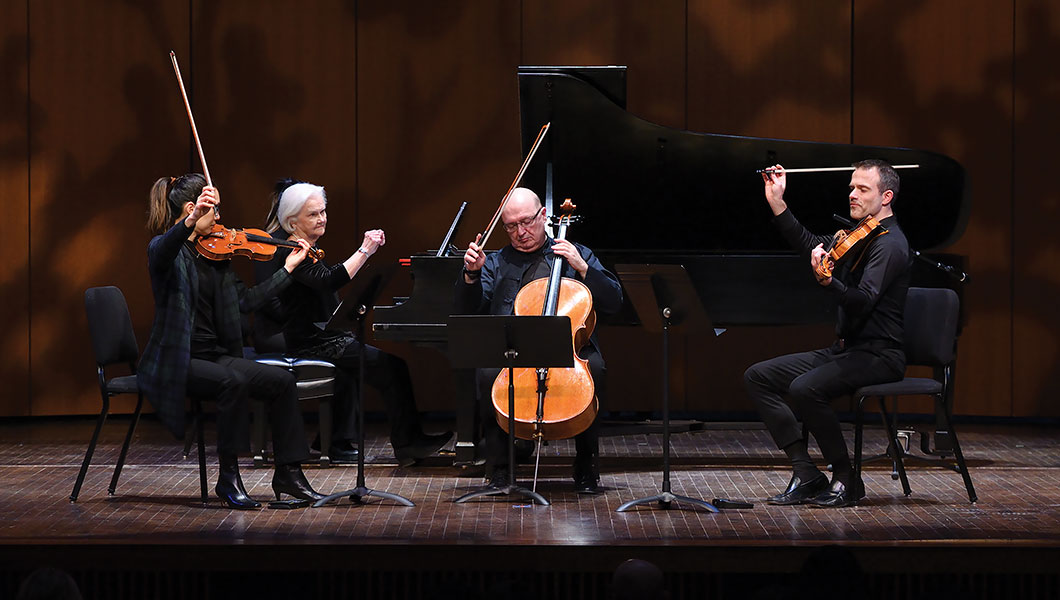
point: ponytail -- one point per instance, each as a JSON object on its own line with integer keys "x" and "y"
{"x": 158, "y": 219}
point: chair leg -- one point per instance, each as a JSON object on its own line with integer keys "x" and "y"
{"x": 190, "y": 439}
{"x": 324, "y": 421}
{"x": 858, "y": 436}
{"x": 125, "y": 445}
{"x": 962, "y": 467}
{"x": 898, "y": 450}
{"x": 202, "y": 448}
{"x": 91, "y": 447}
{"x": 896, "y": 447}
{"x": 257, "y": 441}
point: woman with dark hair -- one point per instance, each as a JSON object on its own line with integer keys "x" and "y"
{"x": 196, "y": 343}
{"x": 300, "y": 211}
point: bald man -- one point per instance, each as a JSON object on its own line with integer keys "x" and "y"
{"x": 489, "y": 284}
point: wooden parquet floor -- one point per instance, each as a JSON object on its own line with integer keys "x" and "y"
{"x": 1016, "y": 471}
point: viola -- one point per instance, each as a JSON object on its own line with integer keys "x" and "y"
{"x": 222, "y": 244}
{"x": 570, "y": 404}
{"x": 844, "y": 241}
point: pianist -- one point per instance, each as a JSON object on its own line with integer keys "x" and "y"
{"x": 300, "y": 210}
{"x": 870, "y": 288}
{"x": 489, "y": 285}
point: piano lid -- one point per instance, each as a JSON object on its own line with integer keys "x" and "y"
{"x": 642, "y": 186}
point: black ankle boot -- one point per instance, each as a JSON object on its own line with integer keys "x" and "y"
{"x": 230, "y": 486}
{"x": 289, "y": 479}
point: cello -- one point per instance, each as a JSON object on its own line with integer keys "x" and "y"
{"x": 571, "y": 402}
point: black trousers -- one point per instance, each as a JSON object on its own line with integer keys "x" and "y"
{"x": 230, "y": 381}
{"x": 804, "y": 384}
{"x": 385, "y": 372}
{"x": 586, "y": 443}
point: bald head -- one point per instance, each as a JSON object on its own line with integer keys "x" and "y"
{"x": 522, "y": 200}
{"x": 523, "y": 220}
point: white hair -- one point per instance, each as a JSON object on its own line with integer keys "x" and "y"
{"x": 292, "y": 201}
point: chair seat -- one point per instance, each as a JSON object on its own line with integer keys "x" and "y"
{"x": 122, "y": 385}
{"x": 910, "y": 386}
{"x": 312, "y": 389}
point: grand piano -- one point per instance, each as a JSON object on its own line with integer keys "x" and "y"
{"x": 654, "y": 194}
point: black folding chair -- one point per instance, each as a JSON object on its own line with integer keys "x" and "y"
{"x": 114, "y": 342}
{"x": 931, "y": 316}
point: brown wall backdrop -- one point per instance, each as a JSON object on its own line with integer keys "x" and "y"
{"x": 403, "y": 110}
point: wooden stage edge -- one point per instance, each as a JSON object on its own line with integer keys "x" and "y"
{"x": 154, "y": 530}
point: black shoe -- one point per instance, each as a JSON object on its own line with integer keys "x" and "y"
{"x": 499, "y": 478}
{"x": 422, "y": 446}
{"x": 799, "y": 491}
{"x": 344, "y": 451}
{"x": 290, "y": 480}
{"x": 230, "y": 488}
{"x": 839, "y": 495}
{"x": 586, "y": 476}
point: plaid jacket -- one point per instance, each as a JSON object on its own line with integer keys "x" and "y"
{"x": 163, "y": 368}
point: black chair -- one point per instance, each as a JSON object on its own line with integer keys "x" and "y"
{"x": 316, "y": 381}
{"x": 931, "y": 316}
{"x": 114, "y": 342}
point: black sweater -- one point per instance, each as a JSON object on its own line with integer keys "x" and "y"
{"x": 869, "y": 288}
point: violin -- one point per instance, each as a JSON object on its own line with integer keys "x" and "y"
{"x": 846, "y": 240}
{"x": 571, "y": 394}
{"x": 222, "y": 244}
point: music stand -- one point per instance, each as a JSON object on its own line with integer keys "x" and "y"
{"x": 485, "y": 341}
{"x": 666, "y": 291}
{"x": 350, "y": 315}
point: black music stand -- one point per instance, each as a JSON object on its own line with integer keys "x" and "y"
{"x": 485, "y": 341}
{"x": 666, "y": 291}
{"x": 350, "y": 315}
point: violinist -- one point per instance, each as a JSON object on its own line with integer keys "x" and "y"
{"x": 196, "y": 342}
{"x": 870, "y": 285}
{"x": 299, "y": 211}
{"x": 489, "y": 284}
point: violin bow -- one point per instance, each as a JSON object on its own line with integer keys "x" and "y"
{"x": 191, "y": 119}
{"x": 515, "y": 184}
{"x": 828, "y": 169}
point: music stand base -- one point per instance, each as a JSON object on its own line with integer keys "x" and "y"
{"x": 359, "y": 493}
{"x": 511, "y": 490}
{"x": 664, "y": 499}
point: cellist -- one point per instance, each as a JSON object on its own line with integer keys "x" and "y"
{"x": 489, "y": 284}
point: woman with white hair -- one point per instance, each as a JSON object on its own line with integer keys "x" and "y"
{"x": 300, "y": 211}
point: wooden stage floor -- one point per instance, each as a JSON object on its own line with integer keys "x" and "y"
{"x": 1014, "y": 528}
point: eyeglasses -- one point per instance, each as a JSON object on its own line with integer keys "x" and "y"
{"x": 524, "y": 223}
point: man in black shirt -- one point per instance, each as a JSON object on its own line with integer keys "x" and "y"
{"x": 489, "y": 285}
{"x": 870, "y": 285}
